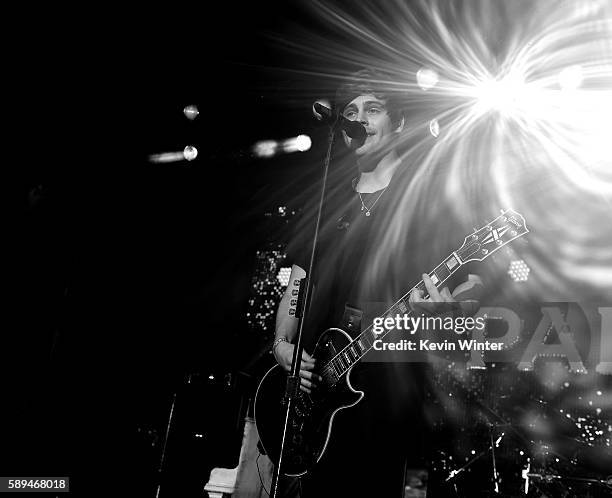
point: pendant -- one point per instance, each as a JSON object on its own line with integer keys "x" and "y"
{"x": 367, "y": 213}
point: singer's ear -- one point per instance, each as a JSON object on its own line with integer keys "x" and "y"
{"x": 400, "y": 125}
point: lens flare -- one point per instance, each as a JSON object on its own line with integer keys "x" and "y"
{"x": 570, "y": 78}
{"x": 426, "y": 78}
{"x": 524, "y": 90}
{"x": 190, "y": 152}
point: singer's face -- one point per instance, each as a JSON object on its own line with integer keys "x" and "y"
{"x": 372, "y": 113}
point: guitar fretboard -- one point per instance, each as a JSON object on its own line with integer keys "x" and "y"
{"x": 335, "y": 368}
{"x": 477, "y": 246}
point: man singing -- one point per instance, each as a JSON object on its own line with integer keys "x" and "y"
{"x": 370, "y": 250}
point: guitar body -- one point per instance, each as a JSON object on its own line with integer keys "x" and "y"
{"x": 312, "y": 414}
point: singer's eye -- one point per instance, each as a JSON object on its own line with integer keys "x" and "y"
{"x": 351, "y": 115}
{"x": 374, "y": 110}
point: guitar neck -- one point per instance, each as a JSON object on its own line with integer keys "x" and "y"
{"x": 359, "y": 347}
{"x": 477, "y": 246}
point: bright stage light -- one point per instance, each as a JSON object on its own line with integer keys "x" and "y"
{"x": 434, "y": 128}
{"x": 265, "y": 148}
{"x": 523, "y": 99}
{"x": 300, "y": 143}
{"x": 519, "y": 271}
{"x": 269, "y": 148}
{"x": 570, "y": 78}
{"x": 506, "y": 94}
{"x": 191, "y": 112}
{"x": 426, "y": 78}
{"x": 283, "y": 276}
{"x": 303, "y": 143}
{"x": 190, "y": 153}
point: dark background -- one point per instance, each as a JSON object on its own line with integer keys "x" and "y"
{"x": 129, "y": 280}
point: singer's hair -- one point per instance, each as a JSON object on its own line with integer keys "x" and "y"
{"x": 370, "y": 82}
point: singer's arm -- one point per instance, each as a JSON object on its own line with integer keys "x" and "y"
{"x": 286, "y": 327}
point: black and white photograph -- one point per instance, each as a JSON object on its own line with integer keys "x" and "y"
{"x": 309, "y": 249}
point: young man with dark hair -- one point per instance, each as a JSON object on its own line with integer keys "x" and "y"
{"x": 357, "y": 265}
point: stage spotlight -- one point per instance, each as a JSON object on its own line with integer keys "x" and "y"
{"x": 303, "y": 143}
{"x": 570, "y": 78}
{"x": 426, "y": 78}
{"x": 519, "y": 271}
{"x": 269, "y": 148}
{"x": 191, "y": 112}
{"x": 265, "y": 148}
{"x": 434, "y": 127}
{"x": 283, "y": 276}
{"x": 190, "y": 153}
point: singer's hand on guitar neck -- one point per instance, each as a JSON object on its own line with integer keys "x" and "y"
{"x": 467, "y": 294}
{"x": 429, "y": 306}
{"x": 308, "y": 379}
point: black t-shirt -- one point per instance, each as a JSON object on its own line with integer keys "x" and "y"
{"x": 365, "y": 259}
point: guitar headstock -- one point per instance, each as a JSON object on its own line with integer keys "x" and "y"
{"x": 480, "y": 244}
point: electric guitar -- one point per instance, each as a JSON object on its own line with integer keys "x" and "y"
{"x": 337, "y": 352}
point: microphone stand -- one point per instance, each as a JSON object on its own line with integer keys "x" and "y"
{"x": 293, "y": 380}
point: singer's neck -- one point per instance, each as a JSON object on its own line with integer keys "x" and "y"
{"x": 379, "y": 177}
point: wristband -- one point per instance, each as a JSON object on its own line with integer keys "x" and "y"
{"x": 277, "y": 342}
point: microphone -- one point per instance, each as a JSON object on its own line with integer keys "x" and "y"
{"x": 352, "y": 128}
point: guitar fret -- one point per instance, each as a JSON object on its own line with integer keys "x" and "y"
{"x": 402, "y": 306}
{"x": 359, "y": 347}
{"x": 347, "y": 358}
{"x": 392, "y": 312}
{"x": 350, "y": 354}
{"x": 336, "y": 368}
{"x": 442, "y": 273}
{"x": 451, "y": 263}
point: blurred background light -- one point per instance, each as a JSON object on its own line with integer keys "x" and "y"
{"x": 434, "y": 127}
{"x": 570, "y": 78}
{"x": 191, "y": 112}
{"x": 265, "y": 148}
{"x": 426, "y": 78}
{"x": 283, "y": 276}
{"x": 301, "y": 143}
{"x": 519, "y": 271}
{"x": 270, "y": 148}
{"x": 190, "y": 153}
{"x": 167, "y": 157}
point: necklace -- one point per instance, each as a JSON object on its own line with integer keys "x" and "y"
{"x": 369, "y": 209}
